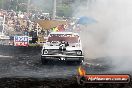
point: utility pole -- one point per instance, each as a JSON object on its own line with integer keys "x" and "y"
{"x": 17, "y": 5}
{"x": 2, "y": 4}
{"x": 28, "y": 6}
{"x": 54, "y": 9}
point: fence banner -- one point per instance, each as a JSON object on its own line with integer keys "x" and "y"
{"x": 21, "y": 40}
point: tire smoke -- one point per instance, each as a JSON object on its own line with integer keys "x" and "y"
{"x": 111, "y": 35}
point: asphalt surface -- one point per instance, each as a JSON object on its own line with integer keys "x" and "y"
{"x": 30, "y": 66}
{"x": 24, "y": 70}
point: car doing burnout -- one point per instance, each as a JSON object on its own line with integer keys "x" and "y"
{"x": 64, "y": 46}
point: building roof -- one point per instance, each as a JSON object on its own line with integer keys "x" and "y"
{"x": 64, "y": 33}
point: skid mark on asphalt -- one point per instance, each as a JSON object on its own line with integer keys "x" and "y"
{"x": 3, "y": 56}
{"x": 30, "y": 66}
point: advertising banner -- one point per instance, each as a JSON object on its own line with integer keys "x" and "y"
{"x": 21, "y": 40}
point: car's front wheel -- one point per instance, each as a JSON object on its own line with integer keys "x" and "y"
{"x": 43, "y": 60}
{"x": 81, "y": 60}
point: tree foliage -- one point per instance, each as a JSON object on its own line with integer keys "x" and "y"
{"x": 64, "y": 10}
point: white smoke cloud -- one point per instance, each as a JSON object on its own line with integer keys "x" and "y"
{"x": 111, "y": 36}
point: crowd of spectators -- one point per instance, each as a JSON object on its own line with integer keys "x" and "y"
{"x": 21, "y": 23}
{"x": 25, "y": 24}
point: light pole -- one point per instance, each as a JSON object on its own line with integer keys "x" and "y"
{"x": 17, "y": 5}
{"x": 28, "y": 5}
{"x": 2, "y": 4}
{"x": 54, "y": 9}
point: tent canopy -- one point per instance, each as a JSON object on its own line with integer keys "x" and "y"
{"x": 86, "y": 20}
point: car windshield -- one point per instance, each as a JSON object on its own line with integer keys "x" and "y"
{"x": 63, "y": 37}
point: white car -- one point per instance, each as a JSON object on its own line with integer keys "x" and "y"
{"x": 64, "y": 46}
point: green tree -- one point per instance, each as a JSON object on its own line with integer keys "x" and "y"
{"x": 3, "y": 4}
{"x": 64, "y": 10}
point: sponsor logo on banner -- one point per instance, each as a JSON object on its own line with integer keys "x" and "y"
{"x": 21, "y": 40}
